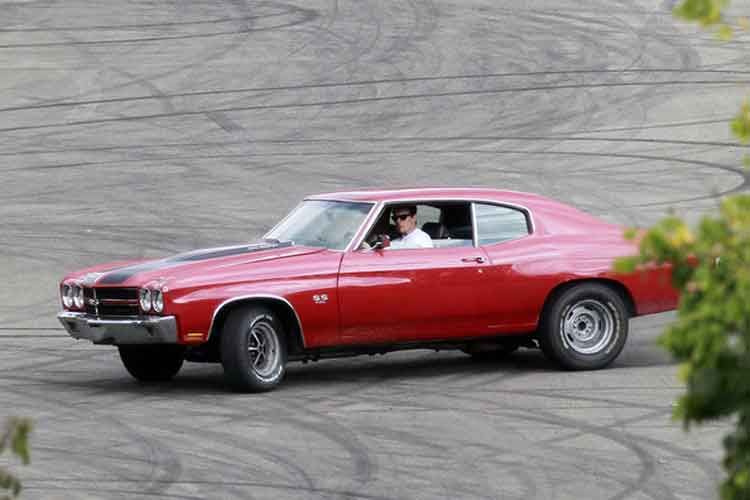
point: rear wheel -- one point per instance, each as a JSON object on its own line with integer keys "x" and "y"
{"x": 585, "y": 327}
{"x": 253, "y": 349}
{"x": 152, "y": 363}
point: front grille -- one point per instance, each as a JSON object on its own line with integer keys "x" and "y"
{"x": 111, "y": 302}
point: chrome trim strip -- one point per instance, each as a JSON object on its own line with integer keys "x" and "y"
{"x": 370, "y": 220}
{"x": 474, "y": 228}
{"x": 256, "y": 296}
{"x": 96, "y": 302}
{"x": 148, "y": 330}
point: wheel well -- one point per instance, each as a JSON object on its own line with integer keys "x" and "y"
{"x": 618, "y": 287}
{"x": 281, "y": 309}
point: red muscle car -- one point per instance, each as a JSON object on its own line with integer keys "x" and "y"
{"x": 494, "y": 270}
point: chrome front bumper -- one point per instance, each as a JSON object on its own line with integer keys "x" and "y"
{"x": 150, "y": 330}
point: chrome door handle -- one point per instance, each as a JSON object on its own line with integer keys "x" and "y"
{"x": 478, "y": 260}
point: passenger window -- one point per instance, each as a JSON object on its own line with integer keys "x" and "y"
{"x": 497, "y": 223}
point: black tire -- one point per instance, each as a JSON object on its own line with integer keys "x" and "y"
{"x": 242, "y": 351}
{"x": 584, "y": 327}
{"x": 485, "y": 354}
{"x": 152, "y": 363}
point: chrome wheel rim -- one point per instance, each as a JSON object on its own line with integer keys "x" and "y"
{"x": 587, "y": 327}
{"x": 263, "y": 349}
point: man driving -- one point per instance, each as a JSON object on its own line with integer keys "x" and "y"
{"x": 405, "y": 218}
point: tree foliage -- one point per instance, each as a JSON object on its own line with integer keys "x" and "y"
{"x": 706, "y": 12}
{"x": 15, "y": 438}
{"x": 711, "y": 269}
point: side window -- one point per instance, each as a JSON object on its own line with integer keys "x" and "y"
{"x": 497, "y": 223}
{"x": 447, "y": 223}
{"x": 427, "y": 214}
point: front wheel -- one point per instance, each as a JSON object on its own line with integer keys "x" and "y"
{"x": 152, "y": 363}
{"x": 253, "y": 349}
{"x": 584, "y": 327}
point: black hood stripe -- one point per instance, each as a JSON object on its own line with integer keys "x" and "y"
{"x": 122, "y": 275}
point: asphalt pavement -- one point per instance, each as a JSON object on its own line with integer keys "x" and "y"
{"x": 140, "y": 129}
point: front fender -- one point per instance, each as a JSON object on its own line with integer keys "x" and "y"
{"x": 318, "y": 318}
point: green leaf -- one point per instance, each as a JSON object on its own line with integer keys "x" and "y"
{"x": 625, "y": 265}
{"x": 705, "y": 12}
{"x": 8, "y": 482}
{"x": 741, "y": 124}
{"x": 16, "y": 434}
{"x": 725, "y": 33}
{"x": 630, "y": 234}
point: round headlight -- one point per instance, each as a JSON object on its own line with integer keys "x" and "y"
{"x": 67, "y": 295}
{"x": 78, "y": 296}
{"x": 158, "y": 301}
{"x": 145, "y": 297}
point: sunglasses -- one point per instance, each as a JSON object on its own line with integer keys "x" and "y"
{"x": 400, "y": 217}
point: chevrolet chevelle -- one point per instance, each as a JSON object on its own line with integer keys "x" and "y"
{"x": 500, "y": 269}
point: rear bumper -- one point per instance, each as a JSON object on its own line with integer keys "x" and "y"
{"x": 149, "y": 330}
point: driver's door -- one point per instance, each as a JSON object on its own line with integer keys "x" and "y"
{"x": 410, "y": 294}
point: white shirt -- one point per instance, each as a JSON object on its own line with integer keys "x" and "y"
{"x": 416, "y": 239}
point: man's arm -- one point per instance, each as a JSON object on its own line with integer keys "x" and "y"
{"x": 423, "y": 240}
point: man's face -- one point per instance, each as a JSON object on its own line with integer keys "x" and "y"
{"x": 405, "y": 222}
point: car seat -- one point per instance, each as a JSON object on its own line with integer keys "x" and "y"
{"x": 436, "y": 230}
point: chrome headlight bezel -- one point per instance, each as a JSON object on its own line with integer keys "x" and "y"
{"x": 67, "y": 295}
{"x": 157, "y": 301}
{"x": 78, "y": 296}
{"x": 144, "y": 298}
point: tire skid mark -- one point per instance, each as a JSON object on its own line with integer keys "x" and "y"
{"x": 339, "y": 435}
{"x": 118, "y": 491}
{"x": 63, "y": 358}
{"x": 195, "y": 61}
{"x": 115, "y": 27}
{"x": 174, "y": 157}
{"x": 203, "y": 93}
{"x": 263, "y": 451}
{"x": 356, "y": 50}
{"x": 304, "y": 17}
{"x": 635, "y": 443}
{"x": 204, "y": 144}
{"x": 496, "y": 451}
{"x": 741, "y": 186}
{"x": 246, "y": 484}
{"x": 621, "y": 423}
{"x": 366, "y": 100}
{"x": 164, "y": 465}
{"x": 328, "y": 427}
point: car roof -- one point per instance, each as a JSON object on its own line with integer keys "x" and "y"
{"x": 409, "y": 194}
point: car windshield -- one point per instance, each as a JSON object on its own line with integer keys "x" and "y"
{"x": 322, "y": 223}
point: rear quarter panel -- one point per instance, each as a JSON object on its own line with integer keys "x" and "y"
{"x": 650, "y": 287}
{"x": 530, "y": 269}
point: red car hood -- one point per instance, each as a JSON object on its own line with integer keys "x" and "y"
{"x": 216, "y": 262}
